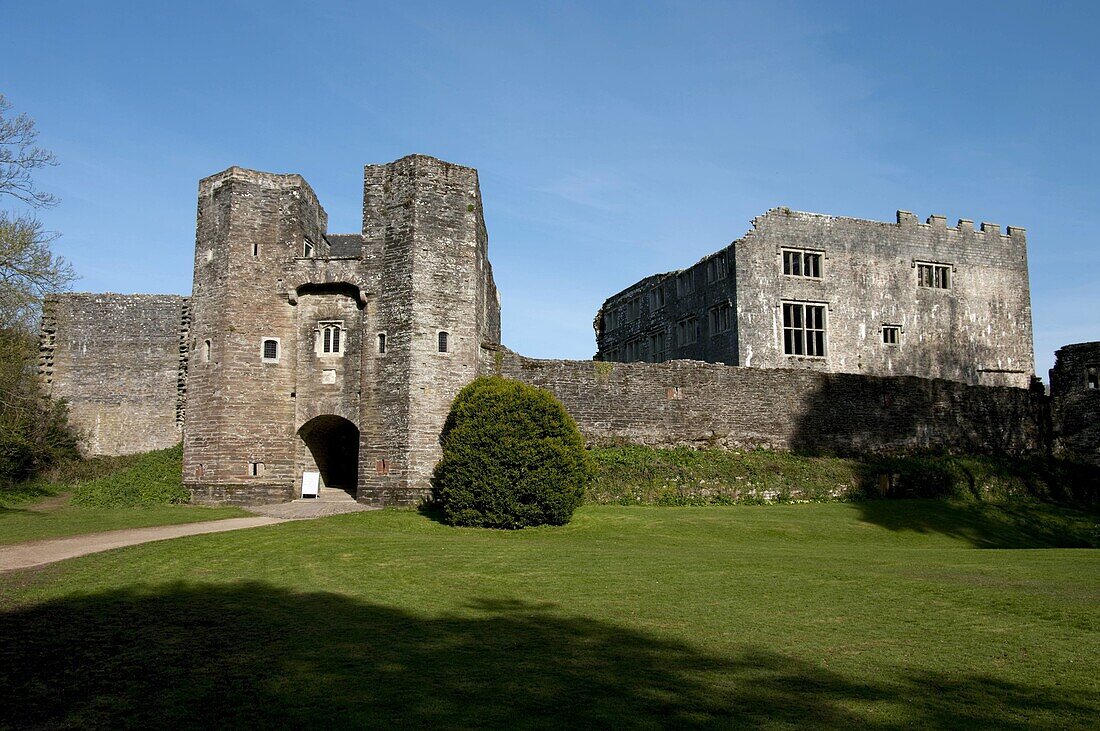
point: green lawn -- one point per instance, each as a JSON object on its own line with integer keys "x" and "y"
{"x": 876, "y": 614}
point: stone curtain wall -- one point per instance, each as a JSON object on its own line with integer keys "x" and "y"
{"x": 1075, "y": 406}
{"x": 690, "y": 403}
{"x": 116, "y": 360}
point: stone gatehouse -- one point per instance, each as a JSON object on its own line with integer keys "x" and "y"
{"x": 304, "y": 350}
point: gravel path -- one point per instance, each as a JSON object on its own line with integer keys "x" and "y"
{"x": 37, "y": 553}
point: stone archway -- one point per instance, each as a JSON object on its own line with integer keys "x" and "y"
{"x": 333, "y": 444}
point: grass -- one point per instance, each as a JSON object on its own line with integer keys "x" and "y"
{"x": 636, "y": 475}
{"x": 878, "y": 615}
{"x": 99, "y": 494}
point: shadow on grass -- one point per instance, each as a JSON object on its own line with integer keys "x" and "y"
{"x": 254, "y": 655}
{"x": 989, "y": 524}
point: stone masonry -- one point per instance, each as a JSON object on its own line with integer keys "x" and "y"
{"x": 1075, "y": 401}
{"x": 116, "y": 360}
{"x": 303, "y": 350}
{"x": 895, "y": 299}
{"x": 685, "y": 403}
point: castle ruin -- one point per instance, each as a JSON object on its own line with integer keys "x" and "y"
{"x": 301, "y": 350}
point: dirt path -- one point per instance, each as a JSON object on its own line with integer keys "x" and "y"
{"x": 37, "y": 553}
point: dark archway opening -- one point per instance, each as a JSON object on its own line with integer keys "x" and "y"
{"x": 333, "y": 441}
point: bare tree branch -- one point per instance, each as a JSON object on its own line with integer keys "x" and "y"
{"x": 19, "y": 156}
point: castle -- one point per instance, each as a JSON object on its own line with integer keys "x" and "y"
{"x": 301, "y": 350}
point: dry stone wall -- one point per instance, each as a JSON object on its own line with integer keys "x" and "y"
{"x": 695, "y": 404}
{"x": 116, "y": 360}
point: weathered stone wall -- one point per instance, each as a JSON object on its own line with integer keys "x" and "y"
{"x": 976, "y": 331}
{"x": 1075, "y": 401}
{"x": 690, "y": 403}
{"x": 424, "y": 217}
{"x": 241, "y": 409}
{"x": 116, "y": 360}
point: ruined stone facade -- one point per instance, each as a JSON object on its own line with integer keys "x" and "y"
{"x": 120, "y": 362}
{"x": 303, "y": 350}
{"x": 840, "y": 295}
{"x": 1075, "y": 401}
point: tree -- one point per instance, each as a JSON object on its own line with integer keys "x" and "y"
{"x": 33, "y": 431}
{"x": 512, "y": 457}
{"x": 29, "y": 269}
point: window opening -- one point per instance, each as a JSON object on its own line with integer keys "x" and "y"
{"x": 801, "y": 263}
{"x": 332, "y": 340}
{"x": 255, "y": 249}
{"x": 381, "y": 343}
{"x": 307, "y": 249}
{"x": 442, "y": 342}
{"x": 685, "y": 283}
{"x": 721, "y": 318}
{"x": 1093, "y": 377}
{"x": 271, "y": 350}
{"x": 255, "y": 469}
{"x": 634, "y": 308}
{"x": 634, "y": 351}
{"x": 206, "y": 351}
{"x": 657, "y": 297}
{"x": 891, "y": 334}
{"x": 657, "y": 347}
{"x": 716, "y": 268}
{"x": 687, "y": 331}
{"x": 804, "y": 329}
{"x": 934, "y": 276}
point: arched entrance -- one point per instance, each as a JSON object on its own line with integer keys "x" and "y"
{"x": 333, "y": 444}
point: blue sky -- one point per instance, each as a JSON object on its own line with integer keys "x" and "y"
{"x": 613, "y": 139}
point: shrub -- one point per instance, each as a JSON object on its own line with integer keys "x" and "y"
{"x": 151, "y": 478}
{"x": 512, "y": 457}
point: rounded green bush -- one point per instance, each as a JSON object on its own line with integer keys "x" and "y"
{"x": 512, "y": 457}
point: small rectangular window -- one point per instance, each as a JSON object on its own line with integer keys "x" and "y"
{"x": 802, "y": 263}
{"x": 804, "y": 329}
{"x": 255, "y": 469}
{"x": 657, "y": 297}
{"x": 891, "y": 334}
{"x": 716, "y": 268}
{"x": 206, "y": 351}
{"x": 634, "y": 308}
{"x": 685, "y": 283}
{"x": 613, "y": 354}
{"x": 381, "y": 343}
{"x": 633, "y": 351}
{"x": 657, "y": 347}
{"x": 934, "y": 276}
{"x": 307, "y": 249}
{"x": 442, "y": 342}
{"x": 687, "y": 331}
{"x": 270, "y": 350}
{"x": 721, "y": 318}
{"x": 1092, "y": 376}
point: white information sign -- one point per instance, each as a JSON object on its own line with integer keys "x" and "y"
{"x": 311, "y": 482}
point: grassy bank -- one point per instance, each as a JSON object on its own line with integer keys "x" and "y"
{"x": 99, "y": 494}
{"x": 838, "y": 615}
{"x": 633, "y": 475}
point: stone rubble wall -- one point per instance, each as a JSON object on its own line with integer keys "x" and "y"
{"x": 116, "y": 360}
{"x": 1075, "y": 406}
{"x": 697, "y": 404}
